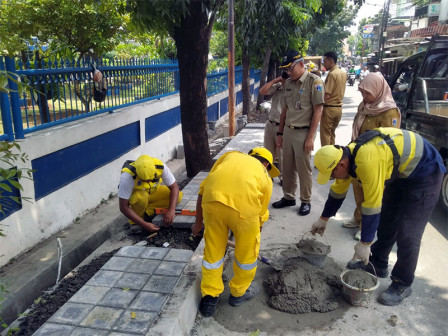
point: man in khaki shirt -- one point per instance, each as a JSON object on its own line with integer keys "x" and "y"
{"x": 334, "y": 93}
{"x": 275, "y": 88}
{"x": 301, "y": 112}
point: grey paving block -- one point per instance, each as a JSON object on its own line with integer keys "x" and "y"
{"x": 161, "y": 284}
{"x": 149, "y": 301}
{"x": 88, "y": 332}
{"x": 118, "y": 298}
{"x": 178, "y": 255}
{"x": 157, "y": 253}
{"x": 117, "y": 264}
{"x": 139, "y": 324}
{"x": 71, "y": 313}
{"x": 119, "y": 334}
{"x": 50, "y": 329}
{"x": 146, "y": 266}
{"x": 132, "y": 281}
{"x": 102, "y": 317}
{"x": 89, "y": 294}
{"x": 105, "y": 278}
{"x": 130, "y": 251}
{"x": 170, "y": 268}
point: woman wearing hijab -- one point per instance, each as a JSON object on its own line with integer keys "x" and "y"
{"x": 378, "y": 109}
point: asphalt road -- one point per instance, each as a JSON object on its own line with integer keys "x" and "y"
{"x": 423, "y": 313}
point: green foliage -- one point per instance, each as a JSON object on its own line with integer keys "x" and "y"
{"x": 10, "y": 174}
{"x": 80, "y": 27}
{"x": 330, "y": 37}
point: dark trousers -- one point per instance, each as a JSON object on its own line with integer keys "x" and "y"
{"x": 407, "y": 206}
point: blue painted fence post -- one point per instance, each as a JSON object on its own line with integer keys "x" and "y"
{"x": 14, "y": 98}
{"x": 6, "y": 110}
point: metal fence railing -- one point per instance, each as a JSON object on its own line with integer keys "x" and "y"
{"x": 53, "y": 92}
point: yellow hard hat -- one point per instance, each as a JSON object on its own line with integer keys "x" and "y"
{"x": 260, "y": 152}
{"x": 145, "y": 167}
{"x": 325, "y": 161}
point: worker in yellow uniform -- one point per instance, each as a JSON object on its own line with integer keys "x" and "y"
{"x": 141, "y": 191}
{"x": 234, "y": 196}
{"x": 412, "y": 171}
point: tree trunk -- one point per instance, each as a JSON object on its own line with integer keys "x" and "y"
{"x": 272, "y": 70}
{"x": 264, "y": 71}
{"x": 246, "y": 81}
{"x": 192, "y": 42}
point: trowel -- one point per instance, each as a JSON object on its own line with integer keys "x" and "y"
{"x": 275, "y": 265}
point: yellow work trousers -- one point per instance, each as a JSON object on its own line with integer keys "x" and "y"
{"x": 142, "y": 202}
{"x": 218, "y": 219}
{"x": 331, "y": 116}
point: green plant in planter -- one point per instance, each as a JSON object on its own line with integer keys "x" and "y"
{"x": 10, "y": 176}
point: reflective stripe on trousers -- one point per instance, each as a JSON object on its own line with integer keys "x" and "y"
{"x": 218, "y": 220}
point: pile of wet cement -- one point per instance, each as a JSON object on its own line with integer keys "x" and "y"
{"x": 312, "y": 246}
{"x": 303, "y": 288}
{"x": 359, "y": 279}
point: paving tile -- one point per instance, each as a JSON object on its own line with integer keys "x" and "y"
{"x": 71, "y": 313}
{"x": 105, "y": 278}
{"x": 89, "y": 294}
{"x": 102, "y": 317}
{"x": 178, "y": 255}
{"x": 118, "y": 298}
{"x": 139, "y": 324}
{"x": 130, "y": 251}
{"x": 119, "y": 334}
{"x": 154, "y": 253}
{"x": 146, "y": 266}
{"x": 50, "y": 329}
{"x": 117, "y": 264}
{"x": 149, "y": 301}
{"x": 132, "y": 281}
{"x": 161, "y": 284}
{"x": 88, "y": 332}
{"x": 170, "y": 268}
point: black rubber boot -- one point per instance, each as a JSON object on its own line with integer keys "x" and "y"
{"x": 208, "y": 305}
{"x": 395, "y": 294}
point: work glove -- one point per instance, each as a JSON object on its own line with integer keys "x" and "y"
{"x": 319, "y": 226}
{"x": 362, "y": 252}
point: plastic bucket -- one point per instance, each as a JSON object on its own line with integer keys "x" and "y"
{"x": 358, "y": 297}
{"x": 316, "y": 258}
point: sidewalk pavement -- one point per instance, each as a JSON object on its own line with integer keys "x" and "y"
{"x": 144, "y": 290}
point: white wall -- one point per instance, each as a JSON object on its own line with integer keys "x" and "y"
{"x": 40, "y": 219}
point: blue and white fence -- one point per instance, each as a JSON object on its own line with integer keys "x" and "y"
{"x": 58, "y": 91}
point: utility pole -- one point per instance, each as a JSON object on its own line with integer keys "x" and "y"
{"x": 383, "y": 31}
{"x": 231, "y": 69}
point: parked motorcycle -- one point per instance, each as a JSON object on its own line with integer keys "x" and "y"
{"x": 351, "y": 79}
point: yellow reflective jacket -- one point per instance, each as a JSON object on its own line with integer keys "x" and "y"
{"x": 153, "y": 185}
{"x": 241, "y": 182}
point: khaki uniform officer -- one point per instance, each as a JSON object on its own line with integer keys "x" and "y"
{"x": 301, "y": 112}
{"x": 334, "y": 93}
{"x": 275, "y": 88}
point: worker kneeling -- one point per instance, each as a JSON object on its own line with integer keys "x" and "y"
{"x": 412, "y": 171}
{"x": 140, "y": 192}
{"x": 235, "y": 195}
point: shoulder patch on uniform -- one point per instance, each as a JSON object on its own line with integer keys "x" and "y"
{"x": 316, "y": 82}
{"x": 318, "y": 87}
{"x": 394, "y": 122}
